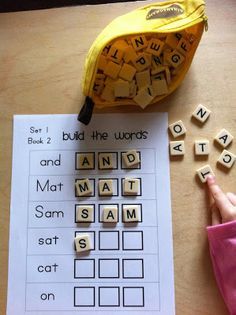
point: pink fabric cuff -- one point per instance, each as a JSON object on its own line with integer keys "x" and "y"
{"x": 222, "y": 231}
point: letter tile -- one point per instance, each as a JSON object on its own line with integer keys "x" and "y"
{"x": 202, "y": 147}
{"x": 155, "y": 47}
{"x": 130, "y": 213}
{"x": 82, "y": 243}
{"x": 144, "y": 96}
{"x": 175, "y": 58}
{"x": 227, "y": 159}
{"x": 131, "y": 158}
{"x": 139, "y": 42}
{"x": 84, "y": 213}
{"x": 121, "y": 88}
{"x": 112, "y": 69}
{"x": 110, "y": 214}
{"x": 224, "y": 138}
{"x": 177, "y": 129}
{"x": 85, "y": 161}
{"x": 127, "y": 72}
{"x": 177, "y": 148}
{"x": 203, "y": 172}
{"x": 201, "y": 113}
{"x": 83, "y": 187}
{"x": 143, "y": 78}
{"x": 131, "y": 186}
{"x": 105, "y": 187}
{"x": 105, "y": 161}
{"x": 115, "y": 54}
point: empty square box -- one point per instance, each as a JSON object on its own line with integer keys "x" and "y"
{"x": 133, "y": 296}
{"x": 132, "y": 240}
{"x": 84, "y": 268}
{"x": 108, "y": 296}
{"x": 132, "y": 268}
{"x": 109, "y": 240}
{"x": 84, "y": 296}
{"x": 108, "y": 268}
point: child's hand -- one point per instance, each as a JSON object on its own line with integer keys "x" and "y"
{"x": 223, "y": 208}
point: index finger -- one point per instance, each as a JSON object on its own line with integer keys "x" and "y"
{"x": 221, "y": 200}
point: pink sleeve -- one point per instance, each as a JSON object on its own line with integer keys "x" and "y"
{"x": 222, "y": 242}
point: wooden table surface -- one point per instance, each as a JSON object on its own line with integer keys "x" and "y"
{"x": 41, "y": 60}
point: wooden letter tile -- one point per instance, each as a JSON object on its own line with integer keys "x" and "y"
{"x": 202, "y": 147}
{"x": 175, "y": 58}
{"x": 108, "y": 93}
{"x": 115, "y": 54}
{"x": 105, "y": 187}
{"x": 155, "y": 47}
{"x": 159, "y": 87}
{"x": 224, "y": 138}
{"x": 144, "y": 97}
{"x": 203, "y": 172}
{"x": 131, "y": 158}
{"x": 110, "y": 214}
{"x": 142, "y": 62}
{"x": 105, "y": 161}
{"x": 83, "y": 187}
{"x": 112, "y": 69}
{"x": 82, "y": 243}
{"x": 85, "y": 161}
{"x": 177, "y": 129}
{"x": 127, "y": 72}
{"x": 143, "y": 79}
{"x": 84, "y": 213}
{"x": 201, "y": 113}
{"x": 177, "y": 148}
{"x": 139, "y": 42}
{"x": 121, "y": 88}
{"x": 130, "y": 213}
{"x": 131, "y": 186}
{"x": 227, "y": 159}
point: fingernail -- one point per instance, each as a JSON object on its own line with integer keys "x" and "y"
{"x": 210, "y": 179}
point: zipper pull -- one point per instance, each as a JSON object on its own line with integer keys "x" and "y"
{"x": 205, "y": 19}
{"x": 86, "y": 111}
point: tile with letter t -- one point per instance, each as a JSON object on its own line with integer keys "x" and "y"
{"x": 131, "y": 187}
{"x": 202, "y": 147}
{"x": 203, "y": 172}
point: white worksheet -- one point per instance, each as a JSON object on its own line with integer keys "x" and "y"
{"x": 129, "y": 269}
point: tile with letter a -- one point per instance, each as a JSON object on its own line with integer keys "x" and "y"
{"x": 110, "y": 214}
{"x": 105, "y": 187}
{"x": 177, "y": 148}
{"x": 84, "y": 161}
{"x": 224, "y": 138}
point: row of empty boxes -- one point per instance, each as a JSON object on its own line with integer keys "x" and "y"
{"x": 109, "y": 268}
{"x": 109, "y": 296}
